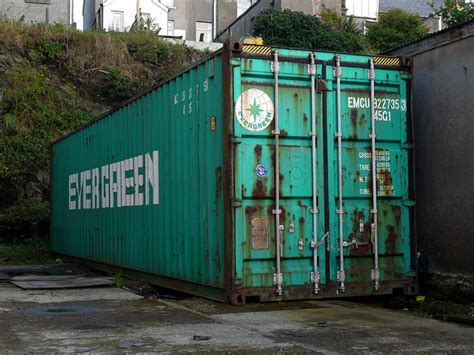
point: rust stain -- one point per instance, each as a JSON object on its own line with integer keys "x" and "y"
{"x": 322, "y": 86}
{"x": 250, "y": 210}
{"x": 354, "y": 117}
{"x": 367, "y": 92}
{"x": 396, "y": 213}
{"x": 281, "y": 177}
{"x": 301, "y": 204}
{"x": 260, "y": 188}
{"x": 391, "y": 241}
{"x": 385, "y": 177}
{"x": 258, "y": 83}
{"x": 218, "y": 172}
{"x": 364, "y": 249}
{"x": 283, "y": 213}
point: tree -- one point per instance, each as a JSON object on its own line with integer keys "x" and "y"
{"x": 394, "y": 28}
{"x": 296, "y": 29}
{"x": 454, "y": 12}
{"x": 344, "y": 24}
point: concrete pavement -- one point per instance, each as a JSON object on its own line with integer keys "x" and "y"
{"x": 104, "y": 320}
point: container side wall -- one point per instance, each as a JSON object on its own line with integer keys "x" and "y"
{"x": 142, "y": 188}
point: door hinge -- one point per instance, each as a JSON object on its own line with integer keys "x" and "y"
{"x": 235, "y": 139}
{"x": 236, "y": 203}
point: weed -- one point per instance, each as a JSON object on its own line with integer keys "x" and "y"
{"x": 32, "y": 251}
{"x": 118, "y": 279}
{"x": 52, "y": 50}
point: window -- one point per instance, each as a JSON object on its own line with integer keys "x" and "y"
{"x": 145, "y": 16}
{"x": 242, "y": 6}
{"x": 117, "y": 21}
{"x": 203, "y": 31}
{"x": 170, "y": 28}
{"x": 168, "y": 3}
{"x": 362, "y": 8}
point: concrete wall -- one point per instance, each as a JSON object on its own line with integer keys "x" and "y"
{"x": 186, "y": 13}
{"x": 226, "y": 13}
{"x": 157, "y": 11}
{"x": 34, "y": 11}
{"x": 443, "y": 109}
{"x": 244, "y": 24}
{"x": 83, "y": 14}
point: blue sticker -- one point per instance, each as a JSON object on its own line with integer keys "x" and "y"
{"x": 261, "y": 170}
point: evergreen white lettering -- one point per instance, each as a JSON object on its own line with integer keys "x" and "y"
{"x": 130, "y": 182}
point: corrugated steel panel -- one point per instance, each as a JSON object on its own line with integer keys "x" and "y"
{"x": 211, "y": 134}
{"x": 178, "y": 235}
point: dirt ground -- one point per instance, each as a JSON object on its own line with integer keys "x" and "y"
{"x": 114, "y": 320}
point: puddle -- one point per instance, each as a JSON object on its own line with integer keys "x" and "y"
{"x": 58, "y": 310}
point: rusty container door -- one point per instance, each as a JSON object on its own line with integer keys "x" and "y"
{"x": 370, "y": 245}
{"x": 267, "y": 155}
{"x": 308, "y": 149}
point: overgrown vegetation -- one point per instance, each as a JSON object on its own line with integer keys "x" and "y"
{"x": 30, "y": 251}
{"x": 296, "y": 29}
{"x": 54, "y": 79}
{"x": 336, "y": 33}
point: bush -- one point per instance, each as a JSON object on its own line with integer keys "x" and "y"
{"x": 394, "y": 28}
{"x": 296, "y": 29}
{"x": 455, "y": 11}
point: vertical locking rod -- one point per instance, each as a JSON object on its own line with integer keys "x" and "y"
{"x": 315, "y": 275}
{"x": 340, "y": 211}
{"x": 372, "y": 136}
{"x": 278, "y": 277}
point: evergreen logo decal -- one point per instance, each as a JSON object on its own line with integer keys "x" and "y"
{"x": 254, "y": 110}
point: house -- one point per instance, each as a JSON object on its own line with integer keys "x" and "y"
{"x": 200, "y": 20}
{"x": 242, "y": 26}
{"x": 76, "y": 13}
{"x": 191, "y": 20}
{"x": 121, "y": 15}
{"x": 442, "y": 109}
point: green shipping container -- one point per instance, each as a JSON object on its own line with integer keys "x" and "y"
{"x": 249, "y": 176}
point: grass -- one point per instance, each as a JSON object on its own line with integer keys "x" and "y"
{"x": 33, "y": 251}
